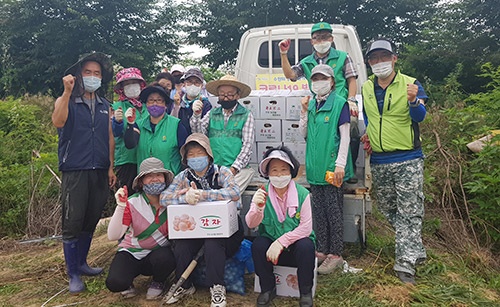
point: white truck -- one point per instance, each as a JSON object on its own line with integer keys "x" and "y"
{"x": 275, "y": 103}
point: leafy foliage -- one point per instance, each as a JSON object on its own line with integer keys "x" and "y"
{"x": 40, "y": 39}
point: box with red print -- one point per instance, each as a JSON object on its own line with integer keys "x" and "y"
{"x": 216, "y": 219}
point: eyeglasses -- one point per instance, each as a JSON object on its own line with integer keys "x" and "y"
{"x": 321, "y": 37}
{"x": 380, "y": 57}
{"x": 158, "y": 101}
{"x": 230, "y": 96}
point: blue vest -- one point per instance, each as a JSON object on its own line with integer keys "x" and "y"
{"x": 83, "y": 142}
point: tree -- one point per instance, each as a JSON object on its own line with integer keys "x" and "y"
{"x": 41, "y": 38}
{"x": 220, "y": 23}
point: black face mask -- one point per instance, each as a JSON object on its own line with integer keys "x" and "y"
{"x": 228, "y": 104}
{"x": 177, "y": 79}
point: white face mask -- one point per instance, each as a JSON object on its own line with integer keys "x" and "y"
{"x": 132, "y": 90}
{"x": 280, "y": 181}
{"x": 382, "y": 70}
{"x": 322, "y": 47}
{"x": 91, "y": 83}
{"x": 193, "y": 90}
{"x": 321, "y": 87}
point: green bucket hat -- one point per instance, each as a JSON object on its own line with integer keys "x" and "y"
{"x": 321, "y": 26}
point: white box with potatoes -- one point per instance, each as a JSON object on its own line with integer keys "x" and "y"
{"x": 215, "y": 219}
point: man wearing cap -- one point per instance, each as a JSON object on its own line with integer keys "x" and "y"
{"x": 86, "y": 152}
{"x": 129, "y": 84}
{"x": 142, "y": 223}
{"x": 193, "y": 83}
{"x": 394, "y": 105}
{"x": 324, "y": 123}
{"x": 203, "y": 180}
{"x": 229, "y": 127}
{"x": 158, "y": 135}
{"x": 177, "y": 71}
{"x": 343, "y": 67}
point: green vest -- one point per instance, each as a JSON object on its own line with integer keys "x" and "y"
{"x": 336, "y": 60}
{"x": 161, "y": 144}
{"x": 271, "y": 228}
{"x": 323, "y": 140}
{"x": 226, "y": 142}
{"x": 122, "y": 154}
{"x": 393, "y": 129}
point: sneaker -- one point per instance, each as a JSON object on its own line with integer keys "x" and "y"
{"x": 129, "y": 293}
{"x": 155, "y": 290}
{"x": 306, "y": 300}
{"x": 406, "y": 278}
{"x": 179, "y": 293}
{"x": 321, "y": 257}
{"x": 330, "y": 264}
{"x": 218, "y": 296}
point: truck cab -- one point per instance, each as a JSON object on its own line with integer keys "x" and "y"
{"x": 275, "y": 104}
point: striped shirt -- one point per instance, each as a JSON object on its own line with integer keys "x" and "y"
{"x": 348, "y": 69}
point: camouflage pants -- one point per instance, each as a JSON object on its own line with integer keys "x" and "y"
{"x": 398, "y": 189}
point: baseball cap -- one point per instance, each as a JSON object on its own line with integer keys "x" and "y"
{"x": 177, "y": 67}
{"x": 323, "y": 69}
{"x": 193, "y": 72}
{"x": 380, "y": 44}
{"x": 321, "y": 26}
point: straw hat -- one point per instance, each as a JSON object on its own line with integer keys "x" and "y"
{"x": 244, "y": 90}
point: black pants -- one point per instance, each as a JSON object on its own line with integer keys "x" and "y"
{"x": 216, "y": 253}
{"x": 84, "y": 194}
{"x": 301, "y": 255}
{"x": 124, "y": 268}
{"x": 125, "y": 175}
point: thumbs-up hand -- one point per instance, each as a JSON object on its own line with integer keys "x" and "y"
{"x": 119, "y": 115}
{"x": 259, "y": 198}
{"x": 121, "y": 196}
{"x": 130, "y": 115}
{"x": 305, "y": 103}
{"x": 193, "y": 194}
{"x": 197, "y": 106}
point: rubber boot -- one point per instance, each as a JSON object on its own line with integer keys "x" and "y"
{"x": 70, "y": 248}
{"x": 84, "y": 241}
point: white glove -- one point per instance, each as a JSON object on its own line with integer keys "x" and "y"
{"x": 121, "y": 197}
{"x": 130, "y": 115}
{"x": 353, "y": 107}
{"x": 119, "y": 115}
{"x": 274, "y": 251}
{"x": 197, "y": 106}
{"x": 193, "y": 196}
{"x": 259, "y": 199}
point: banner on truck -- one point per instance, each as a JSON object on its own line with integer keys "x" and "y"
{"x": 271, "y": 82}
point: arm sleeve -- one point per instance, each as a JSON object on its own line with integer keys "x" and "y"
{"x": 254, "y": 217}
{"x": 117, "y": 128}
{"x": 229, "y": 191}
{"x": 418, "y": 113}
{"x": 303, "y": 124}
{"x": 171, "y": 195}
{"x": 182, "y": 135}
{"x": 345, "y": 139}
{"x": 248, "y": 136}
{"x": 119, "y": 223}
{"x": 131, "y": 137}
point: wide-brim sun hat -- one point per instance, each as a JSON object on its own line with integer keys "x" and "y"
{"x": 244, "y": 90}
{"x": 150, "y": 166}
{"x": 130, "y": 73}
{"x": 143, "y": 97}
{"x": 202, "y": 140}
{"x": 103, "y": 59}
{"x": 275, "y": 154}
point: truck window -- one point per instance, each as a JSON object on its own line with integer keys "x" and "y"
{"x": 305, "y": 49}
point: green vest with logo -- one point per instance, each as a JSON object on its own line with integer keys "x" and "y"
{"x": 336, "y": 59}
{"x": 323, "y": 140}
{"x": 226, "y": 140}
{"x": 271, "y": 228}
{"x": 393, "y": 129}
{"x": 161, "y": 144}
{"x": 123, "y": 155}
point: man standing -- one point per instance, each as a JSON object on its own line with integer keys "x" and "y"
{"x": 230, "y": 127}
{"x": 86, "y": 151}
{"x": 343, "y": 67}
{"x": 394, "y": 105}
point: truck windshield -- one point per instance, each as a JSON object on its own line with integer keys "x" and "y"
{"x": 305, "y": 49}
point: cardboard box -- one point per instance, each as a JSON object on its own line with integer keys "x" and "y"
{"x": 293, "y": 107}
{"x": 262, "y": 147}
{"x": 298, "y": 150}
{"x": 267, "y": 130}
{"x": 252, "y": 104}
{"x": 287, "y": 283}
{"x": 272, "y": 107}
{"x": 290, "y": 132}
{"x": 216, "y": 219}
